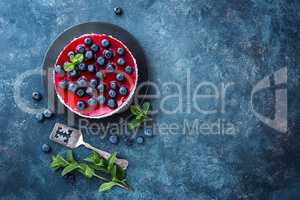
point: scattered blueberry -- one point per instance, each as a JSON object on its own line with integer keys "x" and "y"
{"x": 63, "y": 84}
{"x": 80, "y": 92}
{"x": 123, "y": 90}
{"x": 59, "y": 69}
{"x": 128, "y": 141}
{"x": 148, "y": 132}
{"x": 112, "y": 93}
{"x": 120, "y": 51}
{"x": 81, "y": 105}
{"x": 92, "y": 102}
{"x": 114, "y": 139}
{"x": 95, "y": 48}
{"x": 105, "y": 43}
{"x": 82, "y": 81}
{"x": 80, "y": 49}
{"x": 73, "y": 73}
{"x": 101, "y": 99}
{"x": 47, "y": 113}
{"x": 110, "y": 68}
{"x": 90, "y": 91}
{"x": 100, "y": 75}
{"x": 108, "y": 54}
{"x": 71, "y": 53}
{"x": 118, "y": 11}
{"x": 88, "y": 41}
{"x": 101, "y": 61}
{"x": 39, "y": 117}
{"x": 101, "y": 88}
{"x": 82, "y": 67}
{"x": 128, "y": 69}
{"x": 91, "y": 68}
{"x": 89, "y": 55}
{"x": 121, "y": 61}
{"x": 46, "y": 148}
{"x": 140, "y": 140}
{"x": 113, "y": 85}
{"x": 36, "y": 96}
{"x": 111, "y": 103}
{"x": 93, "y": 83}
{"x": 72, "y": 87}
{"x": 120, "y": 76}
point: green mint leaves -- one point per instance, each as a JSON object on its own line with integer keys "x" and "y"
{"x": 92, "y": 166}
{"x": 75, "y": 60}
{"x": 139, "y": 115}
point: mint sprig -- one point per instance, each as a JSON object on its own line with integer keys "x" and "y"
{"x": 92, "y": 167}
{"x": 75, "y": 60}
{"x": 139, "y": 115}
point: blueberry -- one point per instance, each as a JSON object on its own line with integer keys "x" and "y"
{"x": 118, "y": 11}
{"x": 72, "y": 87}
{"x": 110, "y": 68}
{"x": 140, "y": 140}
{"x": 101, "y": 88}
{"x": 128, "y": 141}
{"x": 121, "y": 61}
{"x": 80, "y": 49}
{"x": 80, "y": 92}
{"x": 47, "y": 113}
{"x": 90, "y": 91}
{"x": 89, "y": 55}
{"x": 82, "y": 67}
{"x": 111, "y": 103}
{"x": 112, "y": 93}
{"x": 88, "y": 41}
{"x": 91, "y": 68}
{"x": 128, "y": 69}
{"x": 108, "y": 54}
{"x": 148, "y": 132}
{"x": 81, "y": 105}
{"x": 92, "y": 102}
{"x": 120, "y": 77}
{"x": 73, "y": 73}
{"x": 70, "y": 177}
{"x": 36, "y": 96}
{"x": 59, "y": 69}
{"x": 82, "y": 82}
{"x": 95, "y": 48}
{"x": 101, "y": 61}
{"x": 71, "y": 53}
{"x": 101, "y": 99}
{"x": 100, "y": 75}
{"x": 39, "y": 117}
{"x": 123, "y": 90}
{"x": 114, "y": 139}
{"x": 93, "y": 83}
{"x": 105, "y": 43}
{"x": 113, "y": 85}
{"x": 46, "y": 148}
{"x": 63, "y": 84}
{"x": 120, "y": 51}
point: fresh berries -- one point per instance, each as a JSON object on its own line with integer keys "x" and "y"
{"x": 118, "y": 11}
{"x": 39, "y": 117}
{"x": 63, "y": 84}
{"x": 73, "y": 73}
{"x": 101, "y": 61}
{"x": 72, "y": 87}
{"x": 95, "y": 48}
{"x": 59, "y": 69}
{"x": 113, "y": 85}
{"x": 46, "y": 148}
{"x": 93, "y": 83}
{"x": 120, "y": 77}
{"x": 123, "y": 90}
{"x": 91, "y": 68}
{"x": 82, "y": 67}
{"x": 110, "y": 68}
{"x": 108, "y": 54}
{"x": 121, "y": 61}
{"x": 114, "y": 139}
{"x": 80, "y": 92}
{"x": 81, "y": 105}
{"x": 140, "y": 140}
{"x": 71, "y": 53}
{"x": 82, "y": 82}
{"x": 112, "y": 93}
{"x": 101, "y": 100}
{"x": 88, "y": 41}
{"x": 100, "y": 75}
{"x": 92, "y": 102}
{"x": 90, "y": 91}
{"x": 101, "y": 88}
{"x": 80, "y": 49}
{"x": 36, "y": 96}
{"x": 105, "y": 43}
{"x": 128, "y": 140}
{"x": 89, "y": 55}
{"x": 128, "y": 70}
{"x": 47, "y": 113}
{"x": 120, "y": 51}
{"x": 111, "y": 103}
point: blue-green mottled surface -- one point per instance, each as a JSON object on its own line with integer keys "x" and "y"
{"x": 235, "y": 41}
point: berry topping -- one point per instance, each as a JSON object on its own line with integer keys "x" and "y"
{"x": 95, "y": 48}
{"x": 123, "y": 90}
{"x": 128, "y": 70}
{"x": 118, "y": 11}
{"x": 88, "y": 41}
{"x": 80, "y": 49}
{"x": 112, "y": 93}
{"x": 47, "y": 113}
{"x": 72, "y": 87}
{"x": 105, "y": 43}
{"x": 140, "y": 140}
{"x": 82, "y": 82}
{"x": 101, "y": 88}
{"x": 113, "y": 85}
{"x": 89, "y": 55}
{"x": 63, "y": 84}
{"x": 82, "y": 67}
{"x": 110, "y": 68}
{"x": 59, "y": 69}
{"x": 90, "y": 91}
{"x": 91, "y": 68}
{"x": 120, "y": 51}
{"x": 93, "y": 83}
{"x": 73, "y": 73}
{"x": 101, "y": 61}
{"x": 36, "y": 96}
{"x": 101, "y": 99}
{"x": 92, "y": 102}
{"x": 121, "y": 61}
{"x": 100, "y": 75}
{"x": 108, "y": 54}
{"x": 81, "y": 105}
{"x": 80, "y": 92}
{"x": 114, "y": 139}
{"x": 111, "y": 103}
{"x": 71, "y": 53}
{"x": 120, "y": 76}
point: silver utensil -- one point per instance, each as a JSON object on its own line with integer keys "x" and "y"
{"x": 73, "y": 138}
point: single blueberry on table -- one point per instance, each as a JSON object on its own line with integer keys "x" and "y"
{"x": 140, "y": 140}
{"x": 128, "y": 140}
{"x": 101, "y": 100}
{"x": 100, "y": 75}
{"x": 59, "y": 69}
{"x": 71, "y": 53}
{"x": 110, "y": 68}
{"x": 63, "y": 84}
{"x": 111, "y": 103}
{"x": 114, "y": 139}
{"x": 121, "y": 61}
{"x": 82, "y": 81}
{"x": 72, "y": 87}
{"x": 80, "y": 49}
{"x": 82, "y": 67}
{"x": 118, "y": 11}
{"x": 46, "y": 148}
{"x": 113, "y": 85}
{"x": 101, "y": 61}
{"x": 148, "y": 132}
{"x": 105, "y": 43}
{"x": 91, "y": 68}
{"x": 80, "y": 92}
{"x": 90, "y": 91}
{"x": 112, "y": 93}
{"x": 123, "y": 90}
{"x": 89, "y": 55}
{"x": 36, "y": 96}
{"x": 128, "y": 69}
{"x": 92, "y": 102}
{"x": 47, "y": 113}
{"x": 95, "y": 48}
{"x": 93, "y": 83}
{"x": 120, "y": 51}
{"x": 120, "y": 77}
{"x": 81, "y": 105}
{"x": 73, "y": 73}
{"x": 101, "y": 88}
{"x": 108, "y": 54}
{"x": 39, "y": 117}
{"x": 88, "y": 41}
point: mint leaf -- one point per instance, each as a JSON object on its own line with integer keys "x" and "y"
{"x": 134, "y": 124}
{"x": 70, "y": 157}
{"x": 86, "y": 170}
{"x": 135, "y": 110}
{"x": 68, "y": 66}
{"x": 58, "y": 162}
{"x": 111, "y": 161}
{"x": 69, "y": 169}
{"x": 79, "y": 58}
{"x": 146, "y": 107}
{"x": 107, "y": 186}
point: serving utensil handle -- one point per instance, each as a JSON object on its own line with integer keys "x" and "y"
{"x": 120, "y": 162}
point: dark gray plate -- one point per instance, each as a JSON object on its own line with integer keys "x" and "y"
{"x": 75, "y": 31}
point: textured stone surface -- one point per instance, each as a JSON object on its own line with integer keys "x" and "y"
{"x": 217, "y": 41}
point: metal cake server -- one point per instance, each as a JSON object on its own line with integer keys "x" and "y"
{"x": 73, "y": 138}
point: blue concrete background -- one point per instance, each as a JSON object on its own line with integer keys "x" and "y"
{"x": 235, "y": 41}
